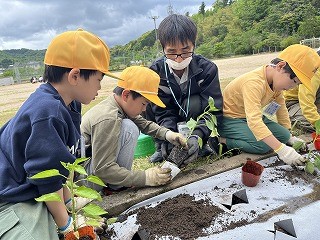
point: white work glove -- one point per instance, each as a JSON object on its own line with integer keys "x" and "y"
{"x": 290, "y": 156}
{"x": 157, "y": 176}
{"x": 176, "y": 139}
{"x": 80, "y": 202}
{"x": 293, "y": 139}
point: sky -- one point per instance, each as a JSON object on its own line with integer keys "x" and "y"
{"x": 33, "y": 24}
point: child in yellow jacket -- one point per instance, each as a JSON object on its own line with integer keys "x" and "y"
{"x": 253, "y": 99}
{"x": 304, "y": 105}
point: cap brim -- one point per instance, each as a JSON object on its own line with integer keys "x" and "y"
{"x": 154, "y": 99}
{"x": 303, "y": 78}
{"x": 108, "y": 74}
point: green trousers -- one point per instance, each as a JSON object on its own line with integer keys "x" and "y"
{"x": 28, "y": 220}
{"x": 238, "y": 135}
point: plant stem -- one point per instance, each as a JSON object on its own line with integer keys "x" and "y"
{"x": 73, "y": 205}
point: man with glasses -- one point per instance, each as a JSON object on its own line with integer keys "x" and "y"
{"x": 187, "y": 81}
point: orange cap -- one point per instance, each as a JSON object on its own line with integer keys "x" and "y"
{"x": 142, "y": 80}
{"x": 303, "y": 60}
{"x": 79, "y": 49}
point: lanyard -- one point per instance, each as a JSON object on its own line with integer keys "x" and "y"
{"x": 188, "y": 103}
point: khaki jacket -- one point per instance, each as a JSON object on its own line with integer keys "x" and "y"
{"x": 101, "y": 127}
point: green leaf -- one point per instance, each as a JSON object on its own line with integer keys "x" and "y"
{"x": 298, "y": 145}
{"x": 111, "y": 221}
{"x": 309, "y": 168}
{"x": 317, "y": 126}
{"x": 191, "y": 124}
{"x": 66, "y": 165}
{"x": 210, "y": 125}
{"x": 80, "y": 160}
{"x": 214, "y": 133}
{"x": 80, "y": 169}
{"x": 94, "y": 210}
{"x": 317, "y": 162}
{"x": 200, "y": 142}
{"x": 95, "y": 180}
{"x": 50, "y": 197}
{"x": 93, "y": 222}
{"x": 46, "y": 174}
{"x": 69, "y": 183}
{"x": 212, "y": 106}
{"x": 86, "y": 192}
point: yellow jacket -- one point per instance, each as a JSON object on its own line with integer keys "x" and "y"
{"x": 309, "y": 101}
{"x": 245, "y": 96}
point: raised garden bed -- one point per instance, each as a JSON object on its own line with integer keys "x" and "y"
{"x": 199, "y": 210}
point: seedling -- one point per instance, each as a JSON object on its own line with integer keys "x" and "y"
{"x": 91, "y": 212}
{"x": 178, "y": 155}
{"x": 311, "y": 165}
{"x": 210, "y": 121}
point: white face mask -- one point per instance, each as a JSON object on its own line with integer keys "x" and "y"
{"x": 179, "y": 66}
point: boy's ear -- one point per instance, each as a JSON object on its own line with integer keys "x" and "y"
{"x": 125, "y": 94}
{"x": 74, "y": 76}
{"x": 281, "y": 64}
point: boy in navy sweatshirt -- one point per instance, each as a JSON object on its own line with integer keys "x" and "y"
{"x": 45, "y": 131}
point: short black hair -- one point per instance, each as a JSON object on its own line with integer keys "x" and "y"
{"x": 54, "y": 74}
{"x": 177, "y": 28}
{"x": 286, "y": 68}
{"x": 118, "y": 91}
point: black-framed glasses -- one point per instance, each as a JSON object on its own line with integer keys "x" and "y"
{"x": 174, "y": 56}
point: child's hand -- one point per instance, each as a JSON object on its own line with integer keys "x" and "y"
{"x": 290, "y": 156}
{"x": 176, "y": 139}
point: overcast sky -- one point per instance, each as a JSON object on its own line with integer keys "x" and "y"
{"x": 33, "y": 23}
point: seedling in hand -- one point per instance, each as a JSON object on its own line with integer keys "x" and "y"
{"x": 207, "y": 118}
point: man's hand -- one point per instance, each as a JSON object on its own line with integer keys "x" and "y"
{"x": 176, "y": 139}
{"x": 290, "y": 156}
{"x": 193, "y": 150}
{"x": 157, "y": 176}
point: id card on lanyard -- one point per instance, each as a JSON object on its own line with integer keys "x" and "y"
{"x": 272, "y": 108}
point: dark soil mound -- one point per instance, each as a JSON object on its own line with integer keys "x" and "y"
{"x": 181, "y": 216}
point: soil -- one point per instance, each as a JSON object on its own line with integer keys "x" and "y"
{"x": 177, "y": 155}
{"x": 186, "y": 218}
{"x": 181, "y": 217}
{"x": 253, "y": 168}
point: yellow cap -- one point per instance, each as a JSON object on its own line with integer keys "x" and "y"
{"x": 303, "y": 60}
{"x": 142, "y": 80}
{"x": 79, "y": 49}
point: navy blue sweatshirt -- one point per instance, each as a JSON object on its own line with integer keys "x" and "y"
{"x": 42, "y": 133}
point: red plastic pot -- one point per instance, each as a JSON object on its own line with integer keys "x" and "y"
{"x": 86, "y": 232}
{"x": 316, "y": 140}
{"x": 251, "y": 173}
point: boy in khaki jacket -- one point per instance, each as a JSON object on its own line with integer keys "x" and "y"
{"x": 112, "y": 128}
